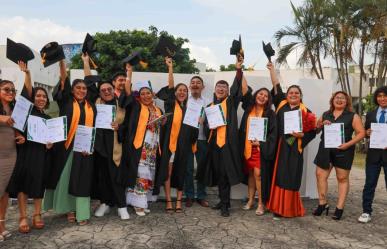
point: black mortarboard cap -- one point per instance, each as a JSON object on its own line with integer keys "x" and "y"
{"x": 133, "y": 59}
{"x": 166, "y": 47}
{"x": 268, "y": 50}
{"x": 88, "y": 45}
{"x": 18, "y": 52}
{"x": 236, "y": 47}
{"x": 51, "y": 53}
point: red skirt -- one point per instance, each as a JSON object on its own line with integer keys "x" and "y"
{"x": 254, "y": 161}
{"x": 286, "y": 203}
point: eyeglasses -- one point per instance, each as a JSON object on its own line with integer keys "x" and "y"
{"x": 340, "y": 98}
{"x": 106, "y": 90}
{"x": 9, "y": 90}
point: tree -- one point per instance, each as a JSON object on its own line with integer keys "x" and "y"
{"x": 114, "y": 46}
{"x": 230, "y": 67}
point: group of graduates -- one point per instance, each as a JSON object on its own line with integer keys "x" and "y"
{"x": 149, "y": 148}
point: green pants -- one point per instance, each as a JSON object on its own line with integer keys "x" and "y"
{"x": 61, "y": 201}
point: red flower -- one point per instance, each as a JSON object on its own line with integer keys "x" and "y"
{"x": 308, "y": 121}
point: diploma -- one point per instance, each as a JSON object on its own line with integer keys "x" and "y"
{"x": 334, "y": 135}
{"x": 20, "y": 113}
{"x": 192, "y": 114}
{"x": 257, "y": 129}
{"x": 159, "y": 119}
{"x": 84, "y": 139}
{"x": 292, "y": 122}
{"x": 56, "y": 129}
{"x": 378, "y": 139}
{"x": 105, "y": 116}
{"x": 215, "y": 116}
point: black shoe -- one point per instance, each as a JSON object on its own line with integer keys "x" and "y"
{"x": 320, "y": 209}
{"x": 219, "y": 206}
{"x": 224, "y": 211}
{"x": 338, "y": 213}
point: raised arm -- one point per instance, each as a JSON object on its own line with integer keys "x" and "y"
{"x": 273, "y": 76}
{"x": 63, "y": 74}
{"x": 171, "y": 81}
{"x": 27, "y": 79}
{"x": 86, "y": 64}
{"x": 128, "y": 82}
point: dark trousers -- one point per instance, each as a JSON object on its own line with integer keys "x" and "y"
{"x": 372, "y": 177}
{"x": 224, "y": 189}
{"x": 189, "y": 186}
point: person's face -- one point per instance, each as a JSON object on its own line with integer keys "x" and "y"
{"x": 146, "y": 96}
{"x": 119, "y": 83}
{"x": 262, "y": 98}
{"x": 196, "y": 86}
{"x": 181, "y": 93}
{"x": 339, "y": 101}
{"x": 381, "y": 98}
{"x": 79, "y": 91}
{"x": 8, "y": 92}
{"x": 293, "y": 96}
{"x": 106, "y": 92}
{"x": 40, "y": 100}
{"x": 221, "y": 91}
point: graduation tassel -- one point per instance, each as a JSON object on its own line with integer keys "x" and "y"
{"x": 44, "y": 58}
{"x": 143, "y": 64}
{"x": 93, "y": 63}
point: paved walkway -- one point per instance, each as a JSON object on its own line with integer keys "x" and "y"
{"x": 201, "y": 227}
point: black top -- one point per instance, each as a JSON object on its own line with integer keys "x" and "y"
{"x": 374, "y": 156}
{"x": 346, "y": 117}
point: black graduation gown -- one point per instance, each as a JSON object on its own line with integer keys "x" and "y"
{"x": 290, "y": 160}
{"x": 82, "y": 166}
{"x": 127, "y": 173}
{"x": 32, "y": 162}
{"x": 186, "y": 139}
{"x": 225, "y": 160}
{"x": 267, "y": 149}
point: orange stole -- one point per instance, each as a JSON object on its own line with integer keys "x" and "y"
{"x": 141, "y": 125}
{"x": 176, "y": 125}
{"x": 221, "y": 131}
{"x": 303, "y": 109}
{"x": 248, "y": 145}
{"x": 89, "y": 120}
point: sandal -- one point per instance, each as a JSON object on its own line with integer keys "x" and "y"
{"x": 71, "y": 217}
{"x": 167, "y": 209}
{"x": 83, "y": 222}
{"x": 139, "y": 211}
{"x": 178, "y": 210}
{"x": 260, "y": 210}
{"x": 24, "y": 228}
{"x": 5, "y": 234}
{"x": 37, "y": 223}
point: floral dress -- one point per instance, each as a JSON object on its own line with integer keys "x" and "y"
{"x": 142, "y": 191}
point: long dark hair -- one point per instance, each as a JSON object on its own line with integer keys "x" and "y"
{"x": 267, "y": 108}
{"x": 12, "y": 104}
{"x": 38, "y": 88}
{"x": 186, "y": 87}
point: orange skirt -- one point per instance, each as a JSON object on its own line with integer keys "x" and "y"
{"x": 254, "y": 161}
{"x": 286, "y": 203}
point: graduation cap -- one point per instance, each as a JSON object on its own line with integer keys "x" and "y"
{"x": 166, "y": 47}
{"x": 268, "y": 50}
{"x": 236, "y": 48}
{"x": 51, "y": 53}
{"x": 135, "y": 58}
{"x": 18, "y": 52}
{"x": 89, "y": 48}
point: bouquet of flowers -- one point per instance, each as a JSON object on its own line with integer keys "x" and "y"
{"x": 308, "y": 124}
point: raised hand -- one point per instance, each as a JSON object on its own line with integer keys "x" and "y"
{"x": 239, "y": 62}
{"x": 168, "y": 61}
{"x": 23, "y": 67}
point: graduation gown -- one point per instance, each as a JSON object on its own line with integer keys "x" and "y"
{"x": 29, "y": 175}
{"x": 186, "y": 139}
{"x": 267, "y": 149}
{"x": 82, "y": 167}
{"x": 127, "y": 173}
{"x": 225, "y": 160}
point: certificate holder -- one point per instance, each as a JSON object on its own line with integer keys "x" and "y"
{"x": 20, "y": 113}
{"x": 84, "y": 139}
{"x": 378, "y": 139}
{"x": 215, "y": 116}
{"x": 292, "y": 121}
{"x": 258, "y": 129}
{"x": 334, "y": 135}
{"x": 105, "y": 116}
{"x": 193, "y": 114}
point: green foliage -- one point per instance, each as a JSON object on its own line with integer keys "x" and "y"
{"x": 230, "y": 67}
{"x": 114, "y": 46}
{"x": 368, "y": 103}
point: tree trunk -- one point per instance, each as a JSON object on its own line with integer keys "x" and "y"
{"x": 361, "y": 65}
{"x": 374, "y": 64}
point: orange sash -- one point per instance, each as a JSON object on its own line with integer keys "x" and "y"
{"x": 248, "y": 145}
{"x": 221, "y": 131}
{"x": 89, "y": 120}
{"x": 141, "y": 125}
{"x": 176, "y": 125}
{"x": 303, "y": 109}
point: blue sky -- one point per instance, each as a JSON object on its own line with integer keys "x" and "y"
{"x": 210, "y": 25}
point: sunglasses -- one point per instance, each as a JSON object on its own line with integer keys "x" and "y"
{"x": 9, "y": 90}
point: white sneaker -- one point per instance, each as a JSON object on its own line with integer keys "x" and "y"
{"x": 146, "y": 210}
{"x": 102, "y": 210}
{"x": 123, "y": 213}
{"x": 364, "y": 218}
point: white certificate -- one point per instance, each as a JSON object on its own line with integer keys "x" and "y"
{"x": 20, "y": 112}
{"x": 257, "y": 129}
{"x": 378, "y": 139}
{"x": 105, "y": 116}
{"x": 84, "y": 139}
{"x": 136, "y": 87}
{"x": 57, "y": 129}
{"x": 45, "y": 131}
{"x": 215, "y": 116}
{"x": 334, "y": 135}
{"x": 193, "y": 113}
{"x": 292, "y": 122}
